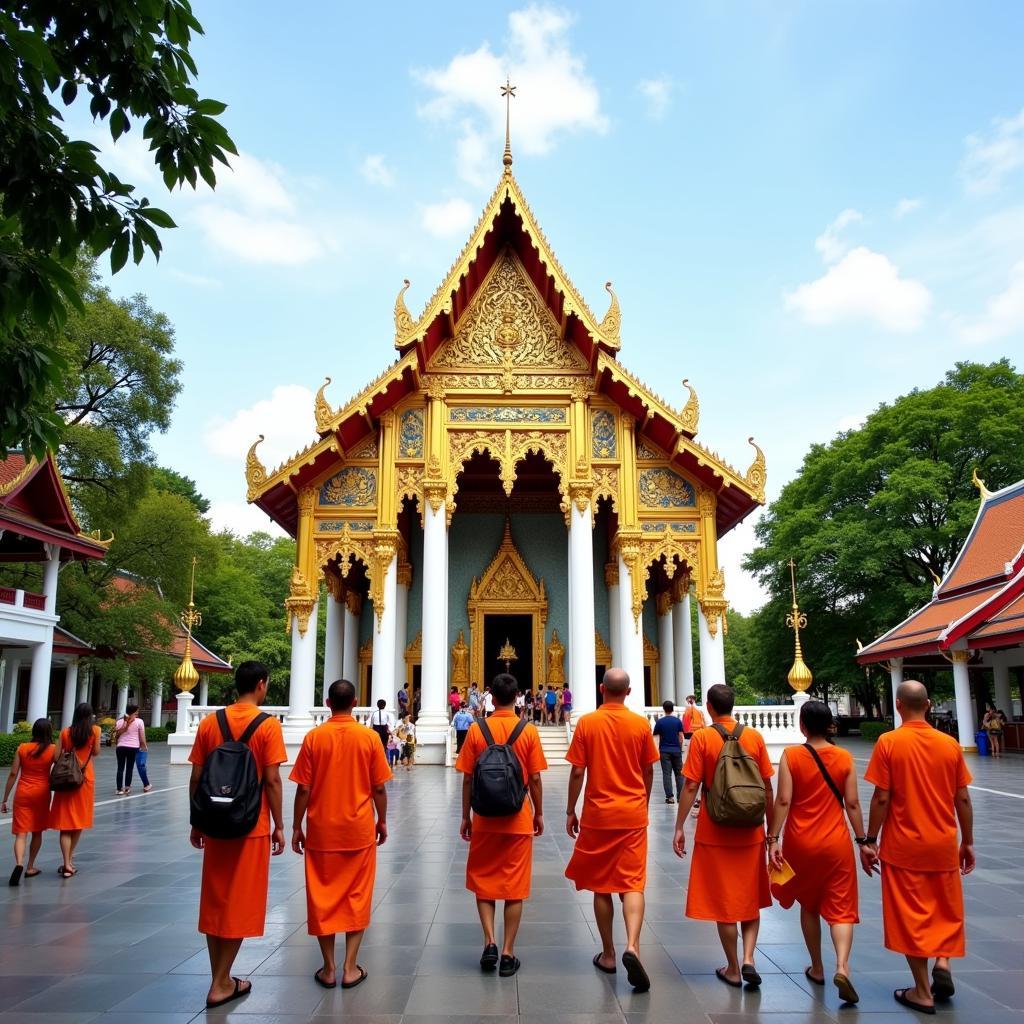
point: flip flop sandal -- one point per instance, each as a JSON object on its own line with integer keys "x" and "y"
{"x": 320, "y": 981}
{"x": 67, "y": 873}
{"x": 844, "y": 986}
{"x": 352, "y": 984}
{"x": 635, "y": 972}
{"x": 812, "y": 979}
{"x": 720, "y": 975}
{"x": 237, "y": 994}
{"x": 33, "y": 873}
{"x": 16, "y": 875}
{"x": 942, "y": 984}
{"x": 604, "y": 970}
{"x": 750, "y": 975}
{"x": 900, "y": 995}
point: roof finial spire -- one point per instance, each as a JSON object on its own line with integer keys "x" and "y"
{"x": 508, "y": 91}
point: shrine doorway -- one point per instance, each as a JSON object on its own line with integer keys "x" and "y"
{"x": 518, "y": 631}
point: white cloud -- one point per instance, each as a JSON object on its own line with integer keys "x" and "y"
{"x": 1005, "y": 314}
{"x": 447, "y": 218}
{"x": 907, "y": 206}
{"x": 554, "y": 94}
{"x": 260, "y": 239}
{"x": 376, "y": 171}
{"x": 285, "y": 418}
{"x": 241, "y": 518}
{"x": 829, "y": 244}
{"x": 863, "y": 285}
{"x": 658, "y": 94}
{"x": 744, "y": 592}
{"x": 196, "y": 280}
{"x": 991, "y": 158}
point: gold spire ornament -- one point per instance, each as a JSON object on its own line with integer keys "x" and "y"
{"x": 610, "y": 327}
{"x": 690, "y": 416}
{"x": 508, "y": 92}
{"x": 322, "y": 409}
{"x": 507, "y": 654}
{"x": 185, "y": 675}
{"x": 980, "y": 484}
{"x": 800, "y": 677}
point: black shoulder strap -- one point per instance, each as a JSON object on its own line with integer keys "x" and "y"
{"x": 252, "y": 727}
{"x": 225, "y": 729}
{"x": 516, "y": 732}
{"x": 485, "y": 729}
{"x": 825, "y": 775}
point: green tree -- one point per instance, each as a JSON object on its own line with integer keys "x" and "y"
{"x": 874, "y": 514}
{"x": 170, "y": 481}
{"x": 132, "y": 59}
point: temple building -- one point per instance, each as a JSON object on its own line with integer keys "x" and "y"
{"x": 974, "y": 622}
{"x": 504, "y": 493}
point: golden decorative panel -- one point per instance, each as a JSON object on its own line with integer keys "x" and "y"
{"x": 647, "y": 453}
{"x": 408, "y": 484}
{"x": 665, "y": 489}
{"x": 368, "y": 448}
{"x": 604, "y": 443}
{"x": 606, "y": 485}
{"x": 507, "y": 447}
{"x": 354, "y": 487}
{"x": 410, "y": 435}
{"x": 507, "y": 414}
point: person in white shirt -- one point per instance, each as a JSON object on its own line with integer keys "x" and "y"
{"x": 520, "y": 704}
{"x": 488, "y": 703}
{"x": 407, "y": 737}
{"x": 382, "y": 722}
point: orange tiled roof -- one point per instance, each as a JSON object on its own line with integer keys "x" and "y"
{"x": 1009, "y": 621}
{"x": 11, "y": 467}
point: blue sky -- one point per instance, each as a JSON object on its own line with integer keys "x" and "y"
{"x": 806, "y": 209}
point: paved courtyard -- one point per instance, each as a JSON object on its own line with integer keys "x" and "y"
{"x": 119, "y": 943}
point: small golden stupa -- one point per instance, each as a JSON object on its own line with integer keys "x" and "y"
{"x": 800, "y": 676}
{"x": 185, "y": 675}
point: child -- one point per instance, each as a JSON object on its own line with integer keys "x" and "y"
{"x": 393, "y": 751}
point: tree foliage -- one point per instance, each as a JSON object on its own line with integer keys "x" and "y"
{"x": 874, "y": 515}
{"x": 131, "y": 58}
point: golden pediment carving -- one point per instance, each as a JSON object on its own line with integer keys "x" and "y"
{"x": 508, "y": 325}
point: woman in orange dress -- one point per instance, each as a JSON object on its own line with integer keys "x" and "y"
{"x": 72, "y": 809}
{"x": 817, "y": 843}
{"x": 31, "y": 769}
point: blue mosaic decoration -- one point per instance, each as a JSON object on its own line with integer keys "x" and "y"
{"x": 671, "y": 527}
{"x": 337, "y": 525}
{"x": 604, "y": 441}
{"x": 506, "y": 414}
{"x": 410, "y": 437}
{"x": 661, "y": 488}
{"x": 351, "y": 488}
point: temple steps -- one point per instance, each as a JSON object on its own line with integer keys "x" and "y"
{"x": 554, "y": 743}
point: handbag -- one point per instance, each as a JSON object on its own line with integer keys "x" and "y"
{"x": 825, "y": 775}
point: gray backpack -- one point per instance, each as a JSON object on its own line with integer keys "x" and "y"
{"x": 736, "y": 796}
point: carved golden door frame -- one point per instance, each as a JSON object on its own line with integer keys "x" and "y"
{"x": 507, "y": 588}
{"x": 365, "y": 661}
{"x": 651, "y": 659}
{"x": 413, "y": 657}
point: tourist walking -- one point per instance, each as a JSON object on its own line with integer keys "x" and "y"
{"x": 550, "y": 703}
{"x": 668, "y": 731}
{"x": 454, "y": 703}
{"x": 236, "y": 871}
{"x": 407, "y": 738}
{"x": 565, "y": 706}
{"x": 31, "y": 771}
{"x": 817, "y": 793}
{"x": 462, "y": 721}
{"x": 500, "y": 835}
{"x": 992, "y": 723}
{"x": 474, "y": 700}
{"x": 920, "y": 781}
{"x": 403, "y": 701}
{"x": 71, "y": 811}
{"x": 382, "y": 723}
{"x": 129, "y": 739}
{"x": 693, "y": 719}
{"x": 346, "y": 825}
{"x": 613, "y": 749}
{"x": 729, "y": 874}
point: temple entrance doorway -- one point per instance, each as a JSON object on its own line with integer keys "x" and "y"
{"x": 518, "y": 631}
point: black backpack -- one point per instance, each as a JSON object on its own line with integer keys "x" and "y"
{"x": 228, "y": 799}
{"x": 498, "y": 789}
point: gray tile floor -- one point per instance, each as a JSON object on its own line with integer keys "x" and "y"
{"x": 119, "y": 943}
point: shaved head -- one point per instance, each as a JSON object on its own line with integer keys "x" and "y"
{"x": 913, "y": 696}
{"x": 616, "y": 682}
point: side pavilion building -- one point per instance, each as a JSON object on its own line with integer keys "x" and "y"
{"x": 506, "y": 484}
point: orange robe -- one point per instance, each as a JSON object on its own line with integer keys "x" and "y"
{"x": 32, "y": 797}
{"x": 922, "y": 895}
{"x": 72, "y": 809}
{"x": 615, "y": 745}
{"x": 729, "y": 873}
{"x": 816, "y": 841}
{"x": 500, "y": 862}
{"x": 693, "y": 719}
{"x": 340, "y": 762}
{"x": 236, "y": 872}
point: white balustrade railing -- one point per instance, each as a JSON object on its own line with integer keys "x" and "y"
{"x": 319, "y": 714}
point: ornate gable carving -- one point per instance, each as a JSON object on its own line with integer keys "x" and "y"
{"x": 508, "y": 578}
{"x": 508, "y": 324}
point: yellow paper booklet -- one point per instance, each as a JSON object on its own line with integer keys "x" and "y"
{"x": 781, "y": 875}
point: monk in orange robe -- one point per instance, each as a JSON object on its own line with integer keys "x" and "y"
{"x": 817, "y": 793}
{"x": 729, "y": 874}
{"x": 500, "y": 863}
{"x": 613, "y": 747}
{"x": 340, "y": 773}
{"x": 920, "y": 781}
{"x": 72, "y": 810}
{"x": 236, "y": 872}
{"x": 31, "y": 770}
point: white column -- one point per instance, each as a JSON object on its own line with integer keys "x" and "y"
{"x": 84, "y": 686}
{"x": 70, "y": 692}
{"x": 302, "y": 682}
{"x": 896, "y": 677}
{"x": 157, "y": 704}
{"x": 581, "y": 608}
{"x": 42, "y": 654}
{"x": 614, "y": 635}
{"x": 964, "y": 704}
{"x": 682, "y": 639}
{"x": 122, "y": 700}
{"x": 12, "y": 664}
{"x": 106, "y": 693}
{"x": 401, "y": 634}
{"x": 1001, "y": 685}
{"x": 184, "y": 703}
{"x": 666, "y": 655}
{"x": 434, "y": 666}
{"x": 568, "y": 647}
{"x": 350, "y": 647}
{"x": 631, "y": 654}
{"x": 333, "y": 641}
{"x": 204, "y": 689}
{"x": 51, "y": 568}
{"x": 712, "y": 653}
{"x": 382, "y": 683}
